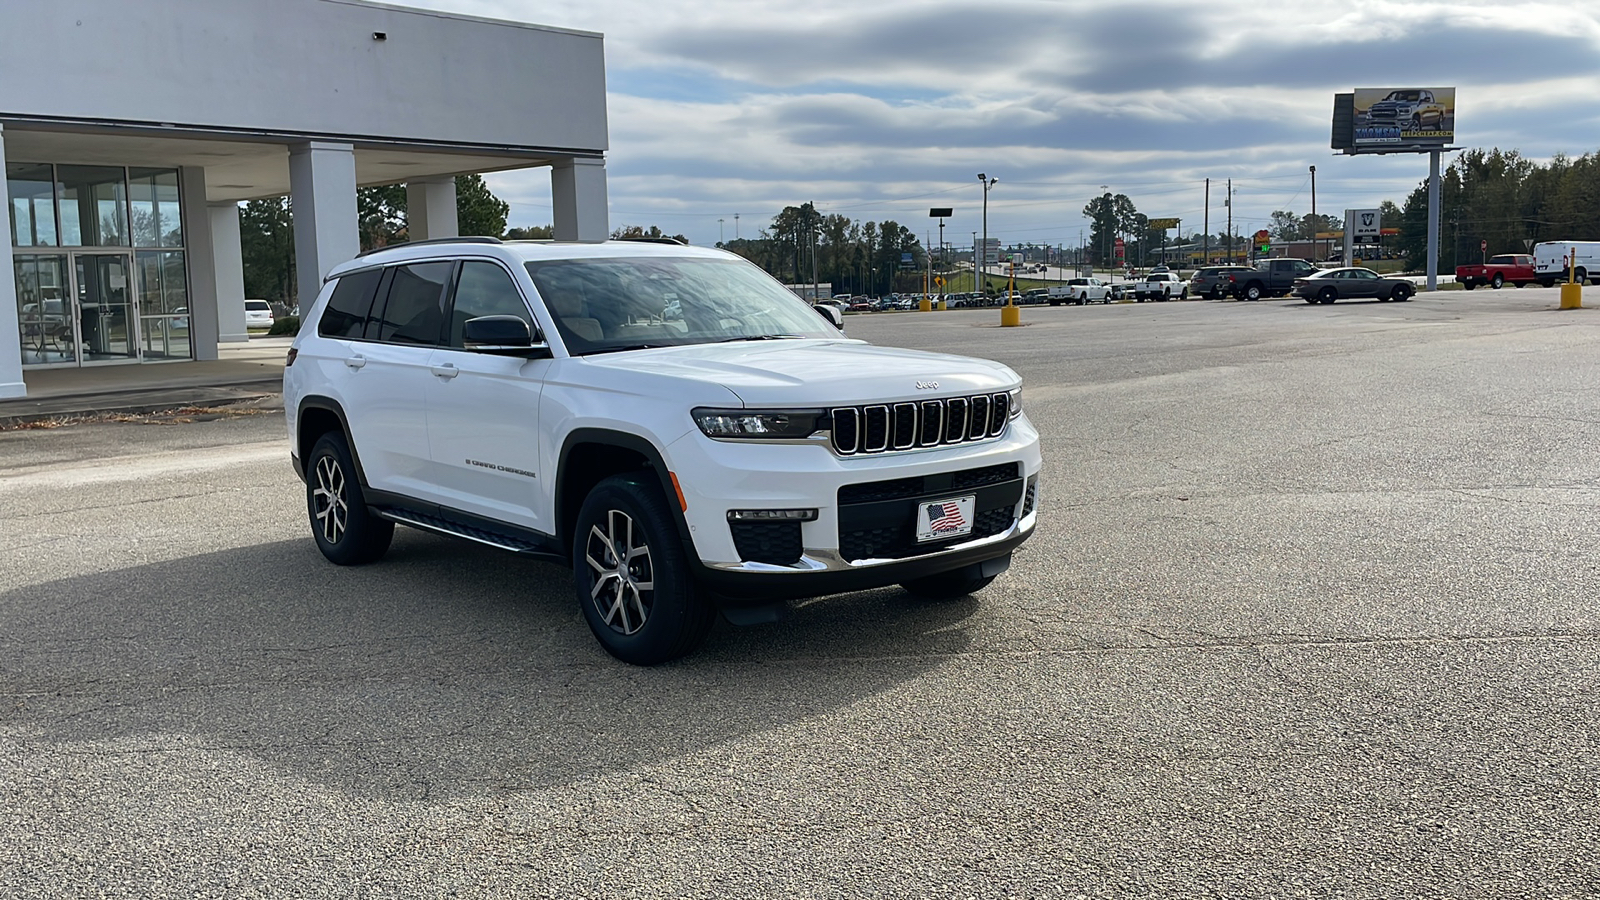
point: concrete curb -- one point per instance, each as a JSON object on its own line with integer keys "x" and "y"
{"x": 134, "y": 402}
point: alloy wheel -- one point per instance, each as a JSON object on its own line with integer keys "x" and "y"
{"x": 332, "y": 504}
{"x": 624, "y": 580}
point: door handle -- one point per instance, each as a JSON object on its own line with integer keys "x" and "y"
{"x": 355, "y": 362}
{"x": 446, "y": 371}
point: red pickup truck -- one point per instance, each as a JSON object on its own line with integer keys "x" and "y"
{"x": 1516, "y": 268}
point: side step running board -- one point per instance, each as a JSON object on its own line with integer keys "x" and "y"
{"x": 466, "y": 532}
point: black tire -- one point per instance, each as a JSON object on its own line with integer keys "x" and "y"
{"x": 1498, "y": 282}
{"x": 1252, "y": 292}
{"x": 1469, "y": 284}
{"x": 1546, "y": 283}
{"x": 1083, "y": 299}
{"x": 1401, "y": 293}
{"x": 1580, "y": 275}
{"x": 947, "y": 586}
{"x": 644, "y": 608}
{"x": 1184, "y": 295}
{"x": 1327, "y": 295}
{"x": 346, "y": 532}
{"x": 1217, "y": 293}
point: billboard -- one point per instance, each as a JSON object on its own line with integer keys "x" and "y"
{"x": 1403, "y": 118}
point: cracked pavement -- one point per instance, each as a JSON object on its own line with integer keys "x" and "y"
{"x": 1313, "y": 611}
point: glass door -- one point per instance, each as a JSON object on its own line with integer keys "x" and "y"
{"x": 45, "y": 316}
{"x": 107, "y": 318}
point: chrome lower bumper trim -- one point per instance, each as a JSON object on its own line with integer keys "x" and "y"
{"x": 820, "y": 560}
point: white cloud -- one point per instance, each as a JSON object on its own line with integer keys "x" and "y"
{"x": 744, "y": 106}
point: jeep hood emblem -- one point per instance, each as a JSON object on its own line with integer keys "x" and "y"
{"x": 927, "y": 385}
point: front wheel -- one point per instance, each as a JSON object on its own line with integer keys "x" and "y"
{"x": 632, "y": 577}
{"x": 347, "y": 533}
{"x": 1401, "y": 294}
{"x": 1498, "y": 282}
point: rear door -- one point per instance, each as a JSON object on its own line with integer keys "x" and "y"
{"x": 386, "y": 405}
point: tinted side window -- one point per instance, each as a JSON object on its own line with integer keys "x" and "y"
{"x": 413, "y": 313}
{"x": 484, "y": 289}
{"x": 346, "y": 314}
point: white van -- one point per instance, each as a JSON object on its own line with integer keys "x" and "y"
{"x": 1550, "y": 261}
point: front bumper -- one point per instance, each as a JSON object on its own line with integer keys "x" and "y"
{"x": 829, "y": 557}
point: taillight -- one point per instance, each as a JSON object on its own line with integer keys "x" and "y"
{"x": 289, "y": 360}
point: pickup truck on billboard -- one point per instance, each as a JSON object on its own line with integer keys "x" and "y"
{"x": 1404, "y": 116}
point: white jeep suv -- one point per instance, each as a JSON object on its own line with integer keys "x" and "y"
{"x": 733, "y": 454}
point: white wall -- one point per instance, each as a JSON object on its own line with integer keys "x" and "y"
{"x": 306, "y": 67}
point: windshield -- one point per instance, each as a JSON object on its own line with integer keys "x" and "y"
{"x": 607, "y": 304}
{"x": 1405, "y": 96}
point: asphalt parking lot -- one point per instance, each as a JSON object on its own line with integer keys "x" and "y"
{"x": 1313, "y": 611}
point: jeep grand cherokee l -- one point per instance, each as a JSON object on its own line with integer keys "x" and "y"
{"x": 536, "y": 397}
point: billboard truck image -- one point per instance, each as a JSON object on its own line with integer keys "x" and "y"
{"x": 1417, "y": 117}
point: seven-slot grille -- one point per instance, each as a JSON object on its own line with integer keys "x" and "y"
{"x": 931, "y": 423}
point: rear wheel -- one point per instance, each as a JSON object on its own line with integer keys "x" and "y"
{"x": 632, "y": 576}
{"x": 1252, "y": 292}
{"x": 347, "y": 533}
{"x": 1327, "y": 295}
{"x": 1469, "y": 284}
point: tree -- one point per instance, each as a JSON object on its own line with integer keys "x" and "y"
{"x": 1110, "y": 216}
{"x": 534, "y": 233}
{"x": 266, "y": 249}
{"x": 478, "y": 210}
{"x": 634, "y": 231}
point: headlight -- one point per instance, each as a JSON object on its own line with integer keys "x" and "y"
{"x": 1016, "y": 402}
{"x": 757, "y": 424}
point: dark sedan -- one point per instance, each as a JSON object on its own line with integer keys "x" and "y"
{"x": 1214, "y": 283}
{"x": 1353, "y": 283}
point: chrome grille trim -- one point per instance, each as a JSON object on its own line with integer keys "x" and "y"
{"x": 885, "y": 428}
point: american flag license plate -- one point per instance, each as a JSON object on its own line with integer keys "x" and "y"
{"x": 940, "y": 520}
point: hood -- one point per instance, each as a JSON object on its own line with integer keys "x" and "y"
{"x": 816, "y": 372}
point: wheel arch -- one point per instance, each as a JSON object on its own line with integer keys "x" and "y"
{"x": 315, "y": 417}
{"x": 591, "y": 455}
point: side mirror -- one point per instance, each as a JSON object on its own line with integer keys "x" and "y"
{"x": 832, "y": 314}
{"x": 501, "y": 335}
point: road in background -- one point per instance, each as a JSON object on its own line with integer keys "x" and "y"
{"x": 1312, "y": 612}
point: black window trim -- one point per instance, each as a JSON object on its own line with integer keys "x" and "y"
{"x": 450, "y": 301}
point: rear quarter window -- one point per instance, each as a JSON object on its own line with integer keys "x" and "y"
{"x": 346, "y": 315}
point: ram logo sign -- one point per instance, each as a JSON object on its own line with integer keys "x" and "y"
{"x": 1364, "y": 223}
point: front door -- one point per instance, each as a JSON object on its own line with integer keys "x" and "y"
{"x": 76, "y": 308}
{"x": 103, "y": 289}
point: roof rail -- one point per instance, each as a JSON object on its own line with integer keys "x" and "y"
{"x": 654, "y": 240}
{"x": 467, "y": 239}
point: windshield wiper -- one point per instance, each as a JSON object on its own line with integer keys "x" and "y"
{"x": 625, "y": 348}
{"x": 760, "y": 337}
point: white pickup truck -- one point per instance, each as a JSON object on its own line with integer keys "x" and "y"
{"x": 1080, "y": 291}
{"x": 1161, "y": 286}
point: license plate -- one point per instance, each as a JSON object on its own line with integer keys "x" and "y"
{"x": 940, "y": 520}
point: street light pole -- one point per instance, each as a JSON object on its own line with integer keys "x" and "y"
{"x": 1315, "y": 253}
{"x": 987, "y": 183}
{"x": 720, "y": 235}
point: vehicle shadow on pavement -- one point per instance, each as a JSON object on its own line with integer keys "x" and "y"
{"x": 445, "y": 670}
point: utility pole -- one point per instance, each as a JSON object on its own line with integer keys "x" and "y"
{"x": 987, "y": 184}
{"x": 719, "y": 233}
{"x": 1205, "y": 237}
{"x": 736, "y": 226}
{"x": 1229, "y": 204}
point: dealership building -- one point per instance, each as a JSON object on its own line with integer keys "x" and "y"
{"x": 130, "y": 131}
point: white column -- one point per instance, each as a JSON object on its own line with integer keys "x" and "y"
{"x": 228, "y": 256}
{"x": 578, "y": 189}
{"x": 200, "y": 260}
{"x": 10, "y": 334}
{"x": 431, "y": 209}
{"x": 322, "y": 187}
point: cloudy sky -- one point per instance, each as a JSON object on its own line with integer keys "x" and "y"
{"x": 725, "y": 108}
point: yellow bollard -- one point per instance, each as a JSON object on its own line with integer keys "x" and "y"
{"x": 925, "y": 305}
{"x": 1010, "y": 316}
{"x": 941, "y": 304}
{"x": 1571, "y": 295}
